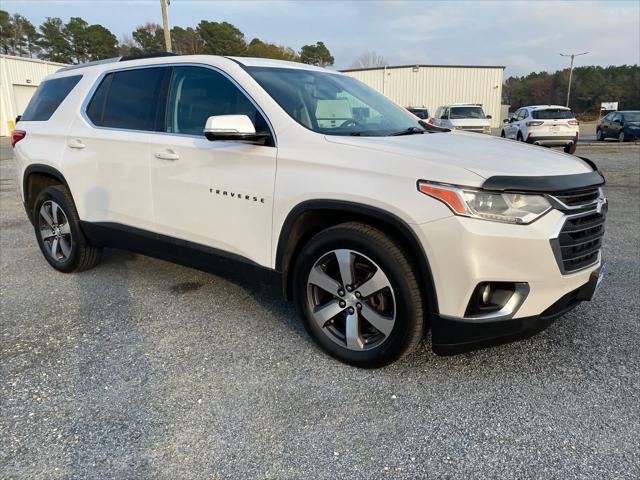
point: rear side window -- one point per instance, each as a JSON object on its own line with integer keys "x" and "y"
{"x": 131, "y": 99}
{"x": 551, "y": 114}
{"x": 48, "y": 98}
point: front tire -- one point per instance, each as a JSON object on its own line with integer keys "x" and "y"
{"x": 358, "y": 296}
{"x": 57, "y": 229}
{"x": 622, "y": 137}
{"x": 502, "y": 134}
{"x": 599, "y": 135}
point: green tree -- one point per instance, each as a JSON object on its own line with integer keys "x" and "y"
{"x": 6, "y": 32}
{"x": 221, "y": 38}
{"x": 148, "y": 38}
{"x": 258, "y": 48}
{"x": 31, "y": 37}
{"x": 101, "y": 43}
{"x": 186, "y": 41}
{"x": 54, "y": 44}
{"x": 76, "y": 34}
{"x": 317, "y": 54}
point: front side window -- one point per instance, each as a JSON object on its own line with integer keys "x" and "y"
{"x": 198, "y": 93}
{"x": 333, "y": 104}
{"x": 552, "y": 114}
{"x": 131, "y": 99}
{"x": 48, "y": 98}
{"x": 466, "y": 112}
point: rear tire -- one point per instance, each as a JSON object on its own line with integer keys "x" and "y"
{"x": 519, "y": 137}
{"x": 373, "y": 318}
{"x": 57, "y": 229}
{"x": 571, "y": 148}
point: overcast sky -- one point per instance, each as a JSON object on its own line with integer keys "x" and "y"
{"x": 523, "y": 36}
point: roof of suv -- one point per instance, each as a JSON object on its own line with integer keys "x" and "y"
{"x": 163, "y": 57}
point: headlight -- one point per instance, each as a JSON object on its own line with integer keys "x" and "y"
{"x": 514, "y": 208}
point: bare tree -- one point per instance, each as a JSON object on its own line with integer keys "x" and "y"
{"x": 370, "y": 60}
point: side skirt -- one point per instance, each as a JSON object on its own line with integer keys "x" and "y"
{"x": 233, "y": 267}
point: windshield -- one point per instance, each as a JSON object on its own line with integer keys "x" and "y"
{"x": 333, "y": 104}
{"x": 632, "y": 116}
{"x": 552, "y": 114}
{"x": 466, "y": 112}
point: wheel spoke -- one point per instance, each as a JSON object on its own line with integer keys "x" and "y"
{"x": 54, "y": 248}
{"x": 352, "y": 332}
{"x": 65, "y": 246}
{"x": 326, "y": 312}
{"x": 320, "y": 279}
{"x": 44, "y": 214}
{"x": 382, "y": 323}
{"x": 345, "y": 262}
{"x": 374, "y": 284}
{"x": 54, "y": 213}
{"x": 65, "y": 229}
{"x": 46, "y": 233}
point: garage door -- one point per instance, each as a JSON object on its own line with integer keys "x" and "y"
{"x": 22, "y": 94}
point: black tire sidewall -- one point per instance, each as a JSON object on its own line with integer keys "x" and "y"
{"x": 621, "y": 136}
{"x": 397, "y": 342}
{"x": 599, "y": 135}
{"x": 54, "y": 194}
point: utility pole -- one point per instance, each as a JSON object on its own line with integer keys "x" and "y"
{"x": 572, "y": 55}
{"x": 165, "y": 25}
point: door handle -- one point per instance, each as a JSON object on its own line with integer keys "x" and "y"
{"x": 167, "y": 155}
{"x": 77, "y": 144}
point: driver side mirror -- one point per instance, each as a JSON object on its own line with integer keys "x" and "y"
{"x": 506, "y": 120}
{"x": 232, "y": 127}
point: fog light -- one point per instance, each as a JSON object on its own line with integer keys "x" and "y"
{"x": 490, "y": 298}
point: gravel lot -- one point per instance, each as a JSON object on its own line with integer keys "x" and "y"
{"x": 144, "y": 369}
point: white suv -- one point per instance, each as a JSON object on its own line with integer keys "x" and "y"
{"x": 548, "y": 125}
{"x": 463, "y": 116}
{"x": 377, "y": 226}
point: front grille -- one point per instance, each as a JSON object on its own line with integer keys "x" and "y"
{"x": 579, "y": 242}
{"x": 578, "y": 198}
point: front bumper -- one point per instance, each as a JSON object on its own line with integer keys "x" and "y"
{"x": 452, "y": 336}
{"x": 553, "y": 141}
{"x": 464, "y": 252}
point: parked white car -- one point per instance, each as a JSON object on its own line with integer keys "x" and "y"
{"x": 378, "y": 226}
{"x": 548, "y": 125}
{"x": 463, "y": 116}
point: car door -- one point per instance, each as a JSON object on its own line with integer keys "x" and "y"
{"x": 107, "y": 154}
{"x": 615, "y": 125}
{"x": 218, "y": 194}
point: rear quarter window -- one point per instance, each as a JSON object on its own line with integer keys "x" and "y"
{"x": 48, "y": 97}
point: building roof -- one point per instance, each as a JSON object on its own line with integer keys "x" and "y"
{"x": 421, "y": 66}
{"x": 29, "y": 59}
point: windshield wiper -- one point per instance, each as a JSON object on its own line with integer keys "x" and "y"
{"x": 408, "y": 131}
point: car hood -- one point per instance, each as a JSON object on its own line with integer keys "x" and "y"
{"x": 483, "y": 155}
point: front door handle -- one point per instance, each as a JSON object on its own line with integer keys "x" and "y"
{"x": 167, "y": 155}
{"x": 77, "y": 144}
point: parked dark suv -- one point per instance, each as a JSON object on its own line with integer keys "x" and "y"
{"x": 624, "y": 126}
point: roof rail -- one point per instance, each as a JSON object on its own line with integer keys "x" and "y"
{"x": 89, "y": 64}
{"x": 147, "y": 55}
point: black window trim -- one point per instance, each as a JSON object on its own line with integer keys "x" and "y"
{"x": 99, "y": 78}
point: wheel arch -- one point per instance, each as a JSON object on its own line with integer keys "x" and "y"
{"x": 310, "y": 217}
{"x": 35, "y": 178}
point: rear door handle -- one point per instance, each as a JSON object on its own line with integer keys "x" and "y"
{"x": 167, "y": 155}
{"x": 77, "y": 144}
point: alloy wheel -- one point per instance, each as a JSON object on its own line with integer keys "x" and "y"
{"x": 351, "y": 300}
{"x": 621, "y": 136}
{"x": 55, "y": 231}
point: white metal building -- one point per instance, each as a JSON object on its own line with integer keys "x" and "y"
{"x": 19, "y": 78}
{"x": 434, "y": 85}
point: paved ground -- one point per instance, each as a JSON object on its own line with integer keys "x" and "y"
{"x": 144, "y": 369}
